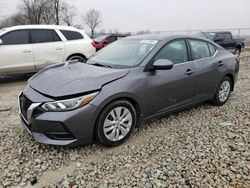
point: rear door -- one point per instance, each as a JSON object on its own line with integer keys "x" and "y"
{"x": 168, "y": 89}
{"x": 205, "y": 65}
{"x": 16, "y": 53}
{"x": 48, "y": 47}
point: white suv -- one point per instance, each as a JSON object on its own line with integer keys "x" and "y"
{"x": 29, "y": 48}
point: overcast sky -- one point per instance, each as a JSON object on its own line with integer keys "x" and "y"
{"x": 160, "y": 15}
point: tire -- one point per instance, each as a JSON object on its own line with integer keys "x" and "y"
{"x": 222, "y": 92}
{"x": 237, "y": 51}
{"x": 77, "y": 57}
{"x": 111, "y": 130}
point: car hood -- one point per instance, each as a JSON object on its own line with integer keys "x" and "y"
{"x": 73, "y": 78}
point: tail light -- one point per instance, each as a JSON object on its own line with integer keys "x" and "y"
{"x": 93, "y": 44}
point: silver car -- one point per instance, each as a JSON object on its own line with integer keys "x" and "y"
{"x": 135, "y": 78}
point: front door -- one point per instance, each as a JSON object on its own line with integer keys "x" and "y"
{"x": 16, "y": 53}
{"x": 169, "y": 89}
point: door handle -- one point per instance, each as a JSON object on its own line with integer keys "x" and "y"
{"x": 59, "y": 48}
{"x": 220, "y": 63}
{"x": 189, "y": 72}
{"x": 27, "y": 51}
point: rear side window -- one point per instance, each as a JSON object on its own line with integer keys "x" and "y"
{"x": 200, "y": 49}
{"x": 16, "y": 37}
{"x": 175, "y": 51}
{"x": 212, "y": 49}
{"x": 72, "y": 35}
{"x": 44, "y": 35}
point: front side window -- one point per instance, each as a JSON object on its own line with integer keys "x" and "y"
{"x": 71, "y": 35}
{"x": 16, "y": 37}
{"x": 175, "y": 51}
{"x": 44, "y": 35}
{"x": 124, "y": 53}
{"x": 200, "y": 49}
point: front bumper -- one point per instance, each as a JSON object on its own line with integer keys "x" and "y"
{"x": 57, "y": 128}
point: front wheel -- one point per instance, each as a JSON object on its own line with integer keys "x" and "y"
{"x": 116, "y": 123}
{"x": 223, "y": 92}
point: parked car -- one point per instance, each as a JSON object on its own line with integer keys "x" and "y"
{"x": 135, "y": 78}
{"x": 104, "y": 40}
{"x": 226, "y": 40}
{"x": 30, "y": 48}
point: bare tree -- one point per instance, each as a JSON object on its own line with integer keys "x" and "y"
{"x": 34, "y": 10}
{"x": 92, "y": 19}
{"x": 57, "y": 10}
{"x": 67, "y": 14}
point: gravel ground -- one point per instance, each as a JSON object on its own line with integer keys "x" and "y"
{"x": 205, "y": 146}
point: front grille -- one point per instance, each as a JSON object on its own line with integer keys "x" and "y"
{"x": 24, "y": 105}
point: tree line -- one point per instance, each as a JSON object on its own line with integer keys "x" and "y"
{"x": 56, "y": 12}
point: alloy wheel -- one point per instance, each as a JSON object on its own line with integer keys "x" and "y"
{"x": 117, "y": 123}
{"x": 224, "y": 91}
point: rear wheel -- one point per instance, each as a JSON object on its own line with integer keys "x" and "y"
{"x": 116, "y": 123}
{"x": 77, "y": 57}
{"x": 237, "y": 51}
{"x": 223, "y": 92}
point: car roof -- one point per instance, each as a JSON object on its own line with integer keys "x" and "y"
{"x": 160, "y": 37}
{"x": 41, "y": 27}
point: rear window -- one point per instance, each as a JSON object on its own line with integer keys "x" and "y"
{"x": 72, "y": 35}
{"x": 210, "y": 35}
{"x": 44, "y": 35}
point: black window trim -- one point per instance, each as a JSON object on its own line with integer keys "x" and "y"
{"x": 32, "y": 38}
{"x": 193, "y": 59}
{"x": 29, "y": 36}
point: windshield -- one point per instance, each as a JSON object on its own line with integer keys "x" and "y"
{"x": 100, "y": 38}
{"x": 210, "y": 35}
{"x": 124, "y": 53}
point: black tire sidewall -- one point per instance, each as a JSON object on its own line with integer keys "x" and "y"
{"x": 99, "y": 129}
{"x": 216, "y": 100}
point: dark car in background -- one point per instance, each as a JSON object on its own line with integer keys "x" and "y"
{"x": 135, "y": 78}
{"x": 226, "y": 40}
{"x": 104, "y": 40}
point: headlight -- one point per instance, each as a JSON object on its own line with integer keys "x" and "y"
{"x": 69, "y": 104}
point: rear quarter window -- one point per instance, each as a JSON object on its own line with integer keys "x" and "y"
{"x": 212, "y": 49}
{"x": 72, "y": 35}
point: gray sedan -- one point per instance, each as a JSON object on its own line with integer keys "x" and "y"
{"x": 135, "y": 78}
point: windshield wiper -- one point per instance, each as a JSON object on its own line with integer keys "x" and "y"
{"x": 100, "y": 65}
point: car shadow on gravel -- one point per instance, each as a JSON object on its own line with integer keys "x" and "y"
{"x": 15, "y": 78}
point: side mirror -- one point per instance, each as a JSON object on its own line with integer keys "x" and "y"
{"x": 1, "y": 42}
{"x": 163, "y": 64}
